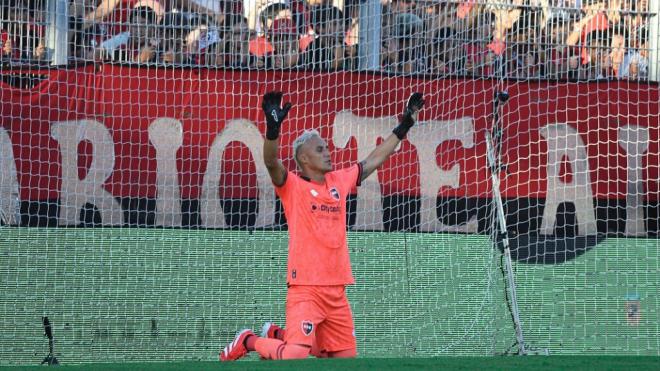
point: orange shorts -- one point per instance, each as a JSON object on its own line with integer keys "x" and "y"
{"x": 319, "y": 314}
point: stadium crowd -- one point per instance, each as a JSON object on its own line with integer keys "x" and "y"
{"x": 557, "y": 39}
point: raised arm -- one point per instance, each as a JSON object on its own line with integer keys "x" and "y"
{"x": 275, "y": 114}
{"x": 387, "y": 147}
{"x": 105, "y": 8}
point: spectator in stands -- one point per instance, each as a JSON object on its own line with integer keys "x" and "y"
{"x": 535, "y": 38}
{"x": 405, "y": 48}
{"x": 200, "y": 39}
{"x": 81, "y": 42}
{"x": 635, "y": 19}
{"x": 386, "y": 33}
{"x": 502, "y": 21}
{"x": 114, "y": 13}
{"x": 479, "y": 59}
{"x": 352, "y": 38}
{"x": 111, "y": 17}
{"x": 521, "y": 51}
{"x": 326, "y": 52}
{"x": 390, "y": 10}
{"x": 617, "y": 51}
{"x": 275, "y": 10}
{"x": 447, "y": 55}
{"x": 556, "y": 55}
{"x": 174, "y": 29}
{"x": 260, "y": 46}
{"x": 283, "y": 36}
{"x": 214, "y": 10}
{"x": 440, "y": 15}
{"x": 597, "y": 64}
{"x": 635, "y": 63}
{"x": 22, "y": 34}
{"x": 233, "y": 50}
{"x": 252, "y": 10}
{"x": 526, "y": 61}
{"x": 138, "y": 44}
{"x": 403, "y": 6}
{"x": 6, "y": 43}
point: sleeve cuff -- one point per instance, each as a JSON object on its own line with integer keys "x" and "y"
{"x": 358, "y": 182}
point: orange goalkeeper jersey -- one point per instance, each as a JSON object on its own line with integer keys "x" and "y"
{"x": 316, "y": 215}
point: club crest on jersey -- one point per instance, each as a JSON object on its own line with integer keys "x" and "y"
{"x": 307, "y": 327}
{"x": 334, "y": 193}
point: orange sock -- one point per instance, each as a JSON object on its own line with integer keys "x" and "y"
{"x": 277, "y": 349}
{"x": 268, "y": 348}
{"x": 250, "y": 343}
{"x": 315, "y": 351}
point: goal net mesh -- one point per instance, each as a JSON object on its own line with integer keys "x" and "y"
{"x": 137, "y": 215}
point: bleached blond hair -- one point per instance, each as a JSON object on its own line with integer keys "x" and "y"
{"x": 302, "y": 139}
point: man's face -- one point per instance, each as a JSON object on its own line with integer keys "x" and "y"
{"x": 315, "y": 155}
{"x": 333, "y": 28}
{"x": 281, "y": 14}
{"x": 285, "y": 54}
{"x": 140, "y": 29}
{"x": 599, "y": 55}
{"x": 558, "y": 33}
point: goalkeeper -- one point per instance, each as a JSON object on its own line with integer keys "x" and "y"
{"x": 317, "y": 309}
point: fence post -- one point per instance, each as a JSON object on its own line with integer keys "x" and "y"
{"x": 369, "y": 35}
{"x": 57, "y": 32}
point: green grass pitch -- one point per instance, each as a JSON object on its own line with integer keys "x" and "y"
{"x": 535, "y": 363}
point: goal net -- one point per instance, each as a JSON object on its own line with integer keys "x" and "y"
{"x": 137, "y": 215}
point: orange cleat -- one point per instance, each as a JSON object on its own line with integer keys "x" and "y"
{"x": 236, "y": 349}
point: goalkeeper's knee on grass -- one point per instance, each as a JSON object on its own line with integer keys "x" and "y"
{"x": 271, "y": 330}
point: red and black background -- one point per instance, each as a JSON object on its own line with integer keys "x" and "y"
{"x": 127, "y": 99}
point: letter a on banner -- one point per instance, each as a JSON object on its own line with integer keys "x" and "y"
{"x": 564, "y": 141}
{"x": 635, "y": 141}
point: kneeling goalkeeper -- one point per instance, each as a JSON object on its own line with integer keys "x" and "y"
{"x": 318, "y": 269}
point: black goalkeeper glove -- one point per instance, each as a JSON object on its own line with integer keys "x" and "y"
{"x": 415, "y": 103}
{"x": 275, "y": 114}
